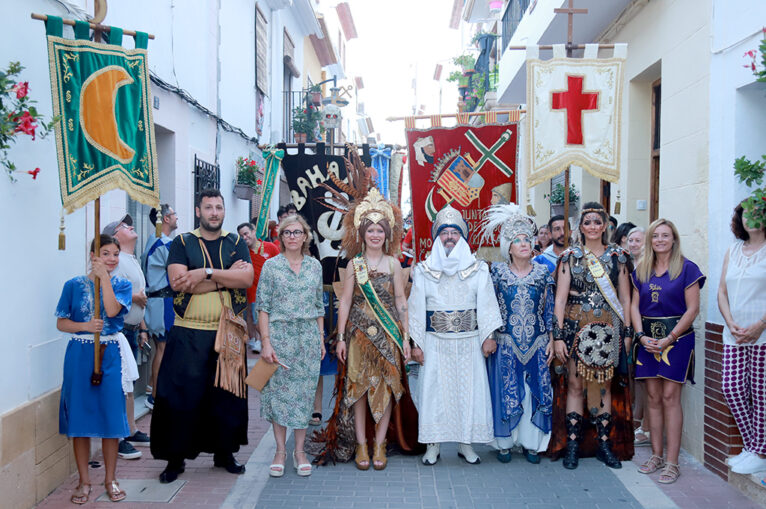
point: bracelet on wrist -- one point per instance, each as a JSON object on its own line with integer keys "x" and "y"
{"x": 673, "y": 335}
{"x": 341, "y": 337}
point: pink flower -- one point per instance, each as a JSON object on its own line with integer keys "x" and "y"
{"x": 26, "y": 124}
{"x": 21, "y": 89}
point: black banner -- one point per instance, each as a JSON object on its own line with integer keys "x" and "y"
{"x": 304, "y": 171}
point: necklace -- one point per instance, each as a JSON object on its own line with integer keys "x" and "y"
{"x": 749, "y": 248}
{"x": 369, "y": 264}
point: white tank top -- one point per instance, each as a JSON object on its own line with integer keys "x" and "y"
{"x": 746, "y": 286}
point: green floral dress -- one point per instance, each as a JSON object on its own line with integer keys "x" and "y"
{"x": 293, "y": 303}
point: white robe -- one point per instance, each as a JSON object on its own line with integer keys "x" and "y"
{"x": 453, "y": 390}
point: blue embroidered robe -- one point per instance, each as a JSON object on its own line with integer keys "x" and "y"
{"x": 526, "y": 306}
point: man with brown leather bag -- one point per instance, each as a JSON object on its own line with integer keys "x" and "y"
{"x": 200, "y": 405}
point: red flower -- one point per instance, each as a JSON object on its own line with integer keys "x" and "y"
{"x": 34, "y": 173}
{"x": 26, "y": 124}
{"x": 260, "y": 182}
{"x": 21, "y": 89}
{"x": 252, "y": 163}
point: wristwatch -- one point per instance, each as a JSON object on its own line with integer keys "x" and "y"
{"x": 209, "y": 273}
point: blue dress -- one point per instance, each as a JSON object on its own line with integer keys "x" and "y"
{"x": 518, "y": 372}
{"x": 88, "y": 410}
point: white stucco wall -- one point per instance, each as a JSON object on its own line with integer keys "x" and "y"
{"x": 737, "y": 122}
{"x": 190, "y": 42}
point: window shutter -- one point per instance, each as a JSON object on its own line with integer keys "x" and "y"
{"x": 261, "y": 53}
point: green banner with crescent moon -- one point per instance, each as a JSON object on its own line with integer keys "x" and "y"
{"x": 105, "y": 138}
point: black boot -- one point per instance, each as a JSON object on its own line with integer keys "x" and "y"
{"x": 172, "y": 471}
{"x": 574, "y": 433}
{"x": 604, "y": 452}
{"x": 226, "y": 460}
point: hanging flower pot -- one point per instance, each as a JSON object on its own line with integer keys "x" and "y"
{"x": 300, "y": 137}
{"x": 243, "y": 191}
{"x": 316, "y": 98}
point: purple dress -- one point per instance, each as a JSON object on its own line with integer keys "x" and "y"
{"x": 661, "y": 304}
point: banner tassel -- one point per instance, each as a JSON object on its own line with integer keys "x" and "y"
{"x": 62, "y": 235}
{"x": 617, "y": 205}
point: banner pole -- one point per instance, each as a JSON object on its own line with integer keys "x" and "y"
{"x": 95, "y": 378}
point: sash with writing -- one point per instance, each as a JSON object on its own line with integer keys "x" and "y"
{"x": 599, "y": 273}
{"x": 382, "y": 315}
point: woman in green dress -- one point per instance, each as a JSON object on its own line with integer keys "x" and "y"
{"x": 291, "y": 323}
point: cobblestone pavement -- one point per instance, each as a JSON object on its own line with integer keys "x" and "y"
{"x": 406, "y": 483}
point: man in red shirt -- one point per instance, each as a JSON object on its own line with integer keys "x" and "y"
{"x": 260, "y": 251}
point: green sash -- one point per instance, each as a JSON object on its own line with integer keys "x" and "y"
{"x": 270, "y": 175}
{"x": 379, "y": 310}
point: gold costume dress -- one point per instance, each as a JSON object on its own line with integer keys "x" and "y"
{"x": 375, "y": 367}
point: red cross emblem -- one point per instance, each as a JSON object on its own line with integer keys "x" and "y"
{"x": 575, "y": 102}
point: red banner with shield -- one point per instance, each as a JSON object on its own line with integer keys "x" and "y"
{"x": 469, "y": 167}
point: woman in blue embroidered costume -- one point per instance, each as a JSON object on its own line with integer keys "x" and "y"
{"x": 373, "y": 346}
{"x": 591, "y": 340}
{"x": 519, "y": 378}
{"x": 96, "y": 411}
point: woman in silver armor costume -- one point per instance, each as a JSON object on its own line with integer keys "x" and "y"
{"x": 592, "y": 299}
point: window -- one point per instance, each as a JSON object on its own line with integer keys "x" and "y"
{"x": 511, "y": 19}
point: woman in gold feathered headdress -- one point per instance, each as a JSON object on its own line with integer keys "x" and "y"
{"x": 372, "y": 339}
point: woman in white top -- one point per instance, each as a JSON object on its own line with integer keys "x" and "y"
{"x": 742, "y": 301}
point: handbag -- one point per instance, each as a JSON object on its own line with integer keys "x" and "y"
{"x": 261, "y": 374}
{"x": 230, "y": 341}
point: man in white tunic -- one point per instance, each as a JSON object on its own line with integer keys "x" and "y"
{"x": 452, "y": 314}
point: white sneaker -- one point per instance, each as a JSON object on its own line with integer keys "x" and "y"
{"x": 750, "y": 465}
{"x": 466, "y": 452}
{"x": 432, "y": 455}
{"x": 739, "y": 458}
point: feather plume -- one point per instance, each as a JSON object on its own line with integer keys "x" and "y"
{"x": 493, "y": 219}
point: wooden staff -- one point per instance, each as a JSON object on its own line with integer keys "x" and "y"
{"x": 96, "y": 27}
{"x": 98, "y": 373}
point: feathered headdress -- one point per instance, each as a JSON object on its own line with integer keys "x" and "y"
{"x": 511, "y": 222}
{"x": 359, "y": 200}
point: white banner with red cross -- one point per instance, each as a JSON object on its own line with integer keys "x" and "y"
{"x": 574, "y": 112}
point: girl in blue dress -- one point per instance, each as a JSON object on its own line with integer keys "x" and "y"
{"x": 88, "y": 410}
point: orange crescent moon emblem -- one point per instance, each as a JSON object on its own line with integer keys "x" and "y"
{"x": 97, "y": 101}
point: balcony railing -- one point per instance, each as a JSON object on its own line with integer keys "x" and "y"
{"x": 511, "y": 19}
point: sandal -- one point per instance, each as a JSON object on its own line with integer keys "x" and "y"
{"x": 641, "y": 437}
{"x": 362, "y": 456}
{"x": 81, "y": 494}
{"x": 669, "y": 474}
{"x": 651, "y": 465}
{"x": 302, "y": 469}
{"x": 316, "y": 419}
{"x": 379, "y": 460}
{"x": 113, "y": 491}
{"x": 278, "y": 469}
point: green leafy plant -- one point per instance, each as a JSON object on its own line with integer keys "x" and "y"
{"x": 18, "y": 116}
{"x": 306, "y": 120}
{"x": 557, "y": 195}
{"x": 247, "y": 172}
{"x": 751, "y": 173}
{"x": 481, "y": 34}
{"x": 466, "y": 61}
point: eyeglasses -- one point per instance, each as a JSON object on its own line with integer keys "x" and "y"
{"x": 293, "y": 233}
{"x": 121, "y": 226}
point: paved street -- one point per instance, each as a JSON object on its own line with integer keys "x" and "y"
{"x": 406, "y": 483}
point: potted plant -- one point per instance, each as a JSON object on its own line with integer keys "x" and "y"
{"x": 306, "y": 123}
{"x": 247, "y": 178}
{"x": 316, "y": 95}
{"x": 556, "y": 199}
{"x": 466, "y": 62}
